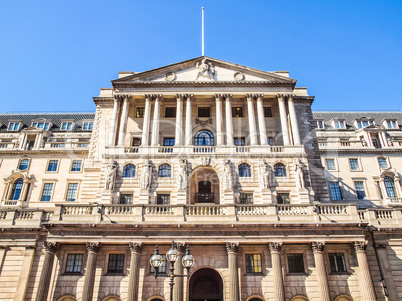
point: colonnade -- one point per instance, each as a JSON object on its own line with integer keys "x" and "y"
{"x": 290, "y": 128}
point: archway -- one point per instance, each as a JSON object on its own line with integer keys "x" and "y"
{"x": 204, "y": 187}
{"x": 206, "y": 285}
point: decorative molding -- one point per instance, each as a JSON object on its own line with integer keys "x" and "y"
{"x": 135, "y": 247}
{"x": 181, "y": 247}
{"x": 275, "y": 247}
{"x": 317, "y": 246}
{"x": 50, "y": 247}
{"x": 239, "y": 76}
{"x": 93, "y": 247}
{"x": 232, "y": 247}
{"x": 360, "y": 246}
{"x": 170, "y": 76}
{"x": 203, "y": 122}
{"x": 380, "y": 246}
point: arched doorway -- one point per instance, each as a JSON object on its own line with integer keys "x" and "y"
{"x": 206, "y": 285}
{"x": 204, "y": 187}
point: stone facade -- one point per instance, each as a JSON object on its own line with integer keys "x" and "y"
{"x": 275, "y": 202}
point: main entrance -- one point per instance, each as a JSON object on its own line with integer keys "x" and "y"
{"x": 206, "y": 285}
{"x": 204, "y": 186}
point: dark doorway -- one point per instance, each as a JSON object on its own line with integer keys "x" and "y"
{"x": 204, "y": 194}
{"x": 206, "y": 285}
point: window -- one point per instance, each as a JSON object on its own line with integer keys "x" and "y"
{"x": 74, "y": 263}
{"x": 67, "y": 126}
{"x": 244, "y": 170}
{"x": 116, "y": 263}
{"x": 162, "y": 268}
{"x": 237, "y": 111}
{"x": 168, "y": 141}
{"x": 163, "y": 199}
{"x": 364, "y": 123}
{"x": 140, "y": 113}
{"x": 204, "y": 137}
{"x": 359, "y": 187}
{"x": 76, "y": 166}
{"x": 164, "y": 171}
{"x": 270, "y": 141}
{"x": 170, "y": 112}
{"x": 335, "y": 191}
{"x": 339, "y": 124}
{"x": 320, "y": 124}
{"x": 24, "y": 163}
{"x": 136, "y": 141}
{"x": 330, "y": 164}
{"x": 253, "y": 263}
{"x": 17, "y": 188}
{"x": 337, "y": 262}
{"x": 354, "y": 164}
{"x": 390, "y": 187}
{"x": 41, "y": 125}
{"x": 204, "y": 112}
{"x": 129, "y": 171}
{"x": 382, "y": 162}
{"x": 52, "y": 165}
{"x": 295, "y": 263}
{"x": 47, "y": 192}
{"x": 88, "y": 125}
{"x": 239, "y": 141}
{"x": 72, "y": 192}
{"x": 391, "y": 124}
{"x": 283, "y": 198}
{"x": 13, "y": 126}
{"x": 267, "y": 112}
{"x": 246, "y": 198}
{"x": 126, "y": 199}
{"x": 280, "y": 170}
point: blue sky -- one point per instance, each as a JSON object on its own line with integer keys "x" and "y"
{"x": 56, "y": 55}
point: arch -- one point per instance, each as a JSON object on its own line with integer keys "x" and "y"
{"x": 17, "y": 189}
{"x": 390, "y": 187}
{"x": 67, "y": 298}
{"x": 165, "y": 170}
{"x": 280, "y": 170}
{"x": 111, "y": 298}
{"x": 203, "y": 175}
{"x": 23, "y": 164}
{"x": 156, "y": 298}
{"x": 129, "y": 171}
{"x": 343, "y": 298}
{"x": 244, "y": 170}
{"x": 299, "y": 298}
{"x": 206, "y": 284}
{"x": 255, "y": 298}
{"x": 204, "y": 137}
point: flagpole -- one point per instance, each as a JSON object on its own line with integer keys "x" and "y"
{"x": 202, "y": 31}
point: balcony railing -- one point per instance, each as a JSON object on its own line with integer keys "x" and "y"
{"x": 204, "y": 198}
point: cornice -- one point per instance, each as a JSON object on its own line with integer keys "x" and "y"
{"x": 41, "y": 151}
{"x": 203, "y": 83}
{"x": 376, "y": 150}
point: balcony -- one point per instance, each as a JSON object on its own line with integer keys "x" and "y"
{"x": 204, "y": 198}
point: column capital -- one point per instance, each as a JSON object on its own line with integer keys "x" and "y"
{"x": 228, "y": 97}
{"x": 360, "y": 246}
{"x": 218, "y": 97}
{"x": 179, "y": 97}
{"x": 275, "y": 247}
{"x": 259, "y": 97}
{"x": 157, "y": 97}
{"x": 318, "y": 246}
{"x": 50, "y": 247}
{"x": 189, "y": 96}
{"x": 250, "y": 97}
{"x": 93, "y": 247}
{"x": 118, "y": 97}
{"x": 135, "y": 247}
{"x": 232, "y": 247}
{"x": 281, "y": 97}
{"x": 181, "y": 247}
{"x": 290, "y": 97}
{"x": 148, "y": 97}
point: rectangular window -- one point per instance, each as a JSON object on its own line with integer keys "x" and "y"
{"x": 140, "y": 113}
{"x": 335, "y": 191}
{"x": 354, "y": 164}
{"x": 237, "y": 111}
{"x": 391, "y": 124}
{"x": 337, "y": 262}
{"x": 267, "y": 112}
{"x": 283, "y": 198}
{"x": 270, "y": 141}
{"x": 67, "y": 126}
{"x": 163, "y": 199}
{"x": 74, "y": 263}
{"x": 13, "y": 126}
{"x": 168, "y": 141}
{"x": 364, "y": 123}
{"x": 246, "y": 198}
{"x": 359, "y": 187}
{"x": 47, "y": 192}
{"x": 116, "y": 263}
{"x": 330, "y": 164}
{"x": 239, "y": 141}
{"x": 339, "y": 124}
{"x": 170, "y": 112}
{"x": 253, "y": 263}
{"x": 126, "y": 199}
{"x": 136, "y": 142}
{"x": 382, "y": 162}
{"x": 52, "y": 165}
{"x": 76, "y": 166}
{"x": 72, "y": 192}
{"x": 320, "y": 124}
{"x": 296, "y": 263}
{"x": 204, "y": 112}
{"x": 162, "y": 268}
{"x": 88, "y": 125}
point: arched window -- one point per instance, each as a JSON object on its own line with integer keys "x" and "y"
{"x": 390, "y": 187}
{"x": 112, "y": 298}
{"x": 164, "y": 170}
{"x": 23, "y": 164}
{"x": 299, "y": 298}
{"x": 204, "y": 137}
{"x": 129, "y": 171}
{"x": 280, "y": 170}
{"x": 68, "y": 298}
{"x": 343, "y": 298}
{"x": 244, "y": 170}
{"x": 17, "y": 187}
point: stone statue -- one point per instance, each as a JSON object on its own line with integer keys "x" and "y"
{"x": 146, "y": 175}
{"x": 264, "y": 175}
{"x": 228, "y": 177}
{"x": 111, "y": 175}
{"x": 364, "y": 143}
{"x": 389, "y": 141}
{"x": 299, "y": 176}
{"x": 205, "y": 69}
{"x": 182, "y": 180}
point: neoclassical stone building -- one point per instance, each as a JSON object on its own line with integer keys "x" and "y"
{"x": 275, "y": 202}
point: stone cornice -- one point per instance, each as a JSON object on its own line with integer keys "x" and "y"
{"x": 355, "y": 150}
{"x": 42, "y": 151}
{"x": 202, "y": 84}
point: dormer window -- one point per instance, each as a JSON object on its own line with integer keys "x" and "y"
{"x": 364, "y": 123}
{"x": 13, "y": 126}
{"x": 339, "y": 124}
{"x": 67, "y": 126}
{"x": 392, "y": 124}
{"x": 87, "y": 125}
{"x": 320, "y": 124}
{"x": 41, "y": 125}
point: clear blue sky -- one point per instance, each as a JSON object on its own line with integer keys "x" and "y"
{"x": 55, "y": 55}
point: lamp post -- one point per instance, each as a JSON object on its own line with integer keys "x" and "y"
{"x": 172, "y": 255}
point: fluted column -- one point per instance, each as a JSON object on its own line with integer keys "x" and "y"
{"x": 279, "y": 290}
{"x": 385, "y": 271}
{"x": 179, "y": 120}
{"x": 261, "y": 120}
{"x": 365, "y": 281}
{"x": 229, "y": 119}
{"x": 251, "y": 119}
{"x": 189, "y": 127}
{"x": 147, "y": 117}
{"x": 178, "y": 267}
{"x": 322, "y": 278}
{"x": 47, "y": 269}
{"x": 113, "y": 121}
{"x": 133, "y": 279}
{"x": 88, "y": 290}
{"x": 234, "y": 291}
{"x": 219, "y": 120}
{"x": 284, "y": 122}
{"x": 155, "y": 122}
{"x": 123, "y": 120}
{"x": 293, "y": 120}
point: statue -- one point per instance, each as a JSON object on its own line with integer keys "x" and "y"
{"x": 228, "y": 177}
{"x": 264, "y": 175}
{"x": 299, "y": 176}
{"x": 182, "y": 180}
{"x": 389, "y": 141}
{"x": 146, "y": 175}
{"x": 364, "y": 143}
{"x": 111, "y": 175}
{"x": 205, "y": 69}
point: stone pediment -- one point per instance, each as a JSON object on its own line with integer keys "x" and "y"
{"x": 204, "y": 71}
{"x": 33, "y": 129}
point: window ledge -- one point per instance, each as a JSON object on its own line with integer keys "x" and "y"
{"x": 72, "y": 274}
{"x": 339, "y": 273}
{"x": 255, "y": 274}
{"x": 114, "y": 274}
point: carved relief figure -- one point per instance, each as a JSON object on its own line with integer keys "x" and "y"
{"x": 146, "y": 175}
{"x": 111, "y": 175}
{"x": 299, "y": 174}
{"x": 182, "y": 180}
{"x": 227, "y": 177}
{"x": 264, "y": 175}
{"x": 205, "y": 69}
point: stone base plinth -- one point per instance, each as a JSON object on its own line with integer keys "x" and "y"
{"x": 228, "y": 197}
{"x": 304, "y": 197}
{"x": 106, "y": 197}
{"x": 144, "y": 197}
{"x": 181, "y": 197}
{"x": 266, "y": 196}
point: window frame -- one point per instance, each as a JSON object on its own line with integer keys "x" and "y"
{"x": 172, "y": 112}
{"x": 66, "y": 262}
{"x": 20, "y": 161}
{"x": 340, "y": 190}
{"x": 242, "y": 141}
{"x": 76, "y": 193}
{"x": 170, "y": 139}
{"x": 335, "y": 164}
{"x": 164, "y": 170}
{"x": 53, "y": 182}
{"x": 281, "y": 194}
{"x": 239, "y": 110}
{"x": 116, "y": 272}
{"x": 317, "y": 124}
{"x": 126, "y": 174}
{"x": 131, "y": 194}
{"x": 291, "y": 273}
{"x": 386, "y": 159}
{"x": 202, "y": 108}
{"x": 16, "y": 126}
{"x": 90, "y": 125}
{"x": 345, "y": 266}
{"x": 244, "y": 170}
{"x": 282, "y": 174}
{"x": 253, "y": 267}
{"x": 387, "y": 122}
{"x": 67, "y": 122}
{"x": 139, "y": 112}
{"x": 339, "y": 124}
{"x": 72, "y": 165}
{"x": 359, "y": 166}
{"x": 57, "y": 166}
{"x": 161, "y": 196}
{"x": 246, "y": 196}
{"x": 265, "y": 109}
{"x": 363, "y": 186}
{"x": 45, "y": 122}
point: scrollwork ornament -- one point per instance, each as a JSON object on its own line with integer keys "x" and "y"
{"x": 360, "y": 246}
{"x": 93, "y": 247}
{"x": 135, "y": 247}
{"x": 170, "y": 76}
{"x": 275, "y": 247}
{"x": 232, "y": 247}
{"x": 50, "y": 247}
{"x": 317, "y": 246}
{"x": 238, "y": 76}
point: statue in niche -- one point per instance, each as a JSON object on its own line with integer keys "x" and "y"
{"x": 146, "y": 175}
{"x": 299, "y": 175}
{"x": 205, "y": 69}
{"x": 111, "y": 175}
{"x": 227, "y": 177}
{"x": 182, "y": 180}
{"x": 264, "y": 175}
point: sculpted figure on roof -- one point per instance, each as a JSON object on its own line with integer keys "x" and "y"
{"x": 205, "y": 69}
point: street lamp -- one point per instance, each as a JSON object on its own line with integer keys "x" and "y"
{"x": 172, "y": 255}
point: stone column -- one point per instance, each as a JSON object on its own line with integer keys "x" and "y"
{"x": 113, "y": 121}
{"x": 279, "y": 289}
{"x": 155, "y": 123}
{"x": 134, "y": 276}
{"x": 25, "y": 272}
{"x": 284, "y": 122}
{"x": 398, "y": 187}
{"x": 46, "y": 274}
{"x": 229, "y": 119}
{"x": 322, "y": 279}
{"x": 251, "y": 120}
{"x": 147, "y": 117}
{"x": 293, "y": 120}
{"x": 88, "y": 290}
{"x": 386, "y": 271}
{"x": 219, "y": 120}
{"x": 3, "y": 250}
{"x": 38, "y": 141}
{"x": 189, "y": 127}
{"x": 365, "y": 281}
{"x": 234, "y": 291}
{"x": 261, "y": 120}
{"x": 179, "y": 120}
{"x": 123, "y": 120}
{"x": 178, "y": 267}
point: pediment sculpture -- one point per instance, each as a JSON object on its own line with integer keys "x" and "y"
{"x": 205, "y": 69}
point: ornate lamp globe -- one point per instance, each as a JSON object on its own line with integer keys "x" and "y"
{"x": 156, "y": 259}
{"x": 188, "y": 259}
{"x": 172, "y": 254}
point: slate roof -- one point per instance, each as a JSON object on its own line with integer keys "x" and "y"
{"x": 56, "y": 119}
